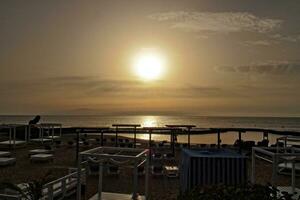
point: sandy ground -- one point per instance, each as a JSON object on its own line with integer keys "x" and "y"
{"x": 64, "y": 157}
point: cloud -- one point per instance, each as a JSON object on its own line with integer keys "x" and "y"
{"x": 288, "y": 38}
{"x": 278, "y": 68}
{"x": 225, "y": 22}
{"x": 257, "y": 43}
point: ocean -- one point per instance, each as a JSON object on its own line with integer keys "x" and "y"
{"x": 276, "y": 123}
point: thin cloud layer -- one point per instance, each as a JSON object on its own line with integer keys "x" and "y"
{"x": 278, "y": 68}
{"x": 217, "y": 21}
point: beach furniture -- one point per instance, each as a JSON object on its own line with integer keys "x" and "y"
{"x": 4, "y": 161}
{"x": 12, "y": 130}
{"x": 157, "y": 170}
{"x": 41, "y": 157}
{"x": 114, "y": 157}
{"x": 277, "y": 156}
{"x": 46, "y": 132}
{"x": 39, "y": 151}
{"x": 5, "y": 154}
{"x": 171, "y": 171}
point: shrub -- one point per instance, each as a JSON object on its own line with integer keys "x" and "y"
{"x": 245, "y": 192}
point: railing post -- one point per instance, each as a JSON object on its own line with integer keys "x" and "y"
{"x": 63, "y": 187}
{"x": 135, "y": 181}
{"x": 147, "y": 176}
{"x": 274, "y": 170}
{"x": 79, "y": 178}
{"x": 253, "y": 166}
{"x": 100, "y": 180}
{"x": 50, "y": 192}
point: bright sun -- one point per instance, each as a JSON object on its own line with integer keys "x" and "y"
{"x": 149, "y": 65}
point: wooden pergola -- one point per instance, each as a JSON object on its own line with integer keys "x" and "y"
{"x": 187, "y": 126}
{"x": 121, "y": 156}
{"x": 134, "y": 126}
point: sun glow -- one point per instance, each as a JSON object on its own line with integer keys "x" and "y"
{"x": 149, "y": 65}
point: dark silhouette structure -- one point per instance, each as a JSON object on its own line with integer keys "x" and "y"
{"x": 35, "y": 120}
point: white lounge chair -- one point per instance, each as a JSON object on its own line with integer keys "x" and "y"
{"x": 7, "y": 161}
{"x": 41, "y": 157}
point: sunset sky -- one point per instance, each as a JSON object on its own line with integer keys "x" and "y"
{"x": 221, "y": 57}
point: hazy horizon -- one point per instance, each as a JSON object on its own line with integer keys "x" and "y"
{"x": 214, "y": 58}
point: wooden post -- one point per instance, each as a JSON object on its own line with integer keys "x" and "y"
{"x": 135, "y": 180}
{"x": 240, "y": 142}
{"x": 134, "y": 137}
{"x": 253, "y": 167}
{"x": 147, "y": 177}
{"x": 77, "y": 144}
{"x": 173, "y": 143}
{"x": 116, "y": 138}
{"x": 101, "y": 137}
{"x": 14, "y": 137}
{"x": 79, "y": 179}
{"x": 274, "y": 170}
{"x": 100, "y": 181}
{"x": 219, "y": 139}
{"x": 189, "y": 137}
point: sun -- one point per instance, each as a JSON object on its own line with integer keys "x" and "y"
{"x": 149, "y": 65}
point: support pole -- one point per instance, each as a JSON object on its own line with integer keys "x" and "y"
{"x": 253, "y": 167}
{"x": 274, "y": 170}
{"x": 101, "y": 137}
{"x": 77, "y": 144}
{"x": 189, "y": 138}
{"x": 116, "y": 138}
{"x": 173, "y": 143}
{"x": 100, "y": 181}
{"x": 134, "y": 140}
{"x": 147, "y": 177}
{"x": 135, "y": 181}
{"x": 79, "y": 179}
{"x": 240, "y": 142}
{"x": 9, "y": 136}
{"x": 219, "y": 139}
{"x": 15, "y": 137}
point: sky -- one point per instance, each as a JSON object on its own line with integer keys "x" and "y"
{"x": 225, "y": 58}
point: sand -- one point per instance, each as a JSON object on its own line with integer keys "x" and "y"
{"x": 64, "y": 157}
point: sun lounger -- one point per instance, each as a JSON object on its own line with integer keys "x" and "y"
{"x": 41, "y": 158}
{"x": 5, "y": 154}
{"x": 286, "y": 168}
{"x": 171, "y": 171}
{"x": 7, "y": 161}
{"x": 39, "y": 151}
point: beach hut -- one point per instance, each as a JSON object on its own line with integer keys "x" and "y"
{"x": 12, "y": 140}
{"x": 46, "y": 132}
{"x": 116, "y": 156}
{"x": 211, "y": 167}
